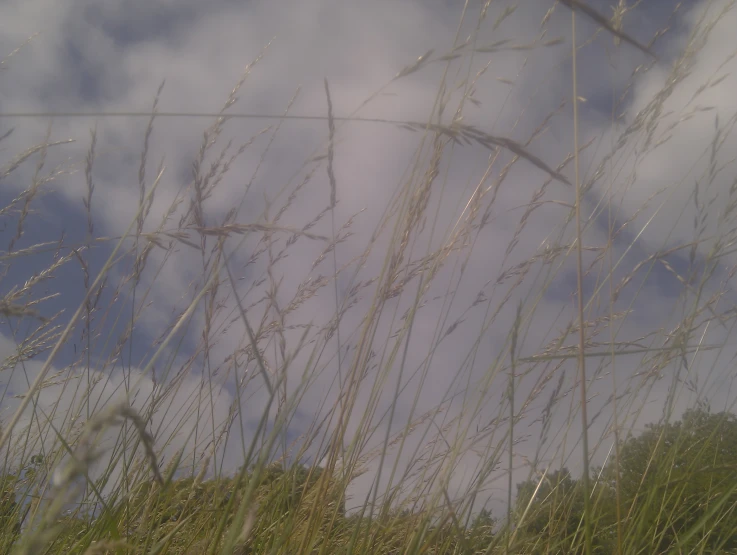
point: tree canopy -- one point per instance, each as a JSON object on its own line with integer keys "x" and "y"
{"x": 677, "y": 491}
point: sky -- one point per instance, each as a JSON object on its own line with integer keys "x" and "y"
{"x": 112, "y": 57}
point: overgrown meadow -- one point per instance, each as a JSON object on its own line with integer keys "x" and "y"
{"x": 310, "y": 361}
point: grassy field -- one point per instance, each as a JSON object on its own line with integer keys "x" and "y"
{"x": 542, "y": 439}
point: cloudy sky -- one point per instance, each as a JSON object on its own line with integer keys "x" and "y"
{"x": 670, "y": 135}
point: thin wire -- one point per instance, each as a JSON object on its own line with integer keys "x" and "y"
{"x": 192, "y": 115}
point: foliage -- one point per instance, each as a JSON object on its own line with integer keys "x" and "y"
{"x": 676, "y": 481}
{"x": 280, "y": 495}
{"x": 554, "y": 508}
{"x": 679, "y": 477}
{"x": 284, "y": 501}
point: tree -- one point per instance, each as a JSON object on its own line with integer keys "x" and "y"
{"x": 679, "y": 480}
{"x": 677, "y": 486}
{"x": 481, "y": 531}
{"x": 554, "y": 514}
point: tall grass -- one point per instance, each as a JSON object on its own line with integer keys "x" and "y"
{"x": 116, "y": 438}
